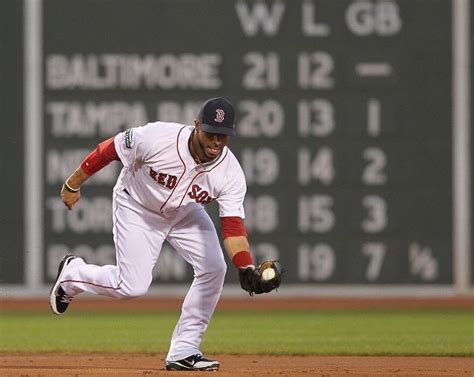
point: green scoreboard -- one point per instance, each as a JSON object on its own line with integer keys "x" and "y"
{"x": 344, "y": 118}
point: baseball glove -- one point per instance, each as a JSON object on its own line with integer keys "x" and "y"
{"x": 265, "y": 278}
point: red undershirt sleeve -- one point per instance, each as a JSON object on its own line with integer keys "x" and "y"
{"x": 232, "y": 227}
{"x": 100, "y": 157}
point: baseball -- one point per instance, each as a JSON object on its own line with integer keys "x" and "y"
{"x": 268, "y": 274}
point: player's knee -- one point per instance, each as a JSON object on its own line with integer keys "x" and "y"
{"x": 216, "y": 268}
{"x": 138, "y": 291}
{"x": 133, "y": 291}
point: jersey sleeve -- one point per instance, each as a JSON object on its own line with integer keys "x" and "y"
{"x": 231, "y": 199}
{"x": 132, "y": 144}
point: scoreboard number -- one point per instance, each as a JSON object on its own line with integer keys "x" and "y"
{"x": 316, "y": 263}
{"x": 261, "y": 166}
{"x": 265, "y": 119}
{"x": 261, "y": 214}
{"x": 315, "y": 70}
{"x": 422, "y": 262}
{"x": 316, "y": 118}
{"x": 265, "y": 251}
{"x": 318, "y": 168}
{"x": 373, "y": 174}
{"x": 263, "y": 72}
{"x": 375, "y": 251}
{"x": 376, "y": 219}
{"x": 373, "y": 117}
{"x": 316, "y": 214}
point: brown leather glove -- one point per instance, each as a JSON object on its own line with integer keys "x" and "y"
{"x": 256, "y": 280}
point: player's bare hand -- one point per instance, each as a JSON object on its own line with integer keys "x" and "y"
{"x": 70, "y": 198}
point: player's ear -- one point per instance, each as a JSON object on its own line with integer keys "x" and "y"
{"x": 197, "y": 123}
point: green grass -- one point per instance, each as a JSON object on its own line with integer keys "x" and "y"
{"x": 449, "y": 333}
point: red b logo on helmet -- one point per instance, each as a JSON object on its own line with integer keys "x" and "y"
{"x": 219, "y": 116}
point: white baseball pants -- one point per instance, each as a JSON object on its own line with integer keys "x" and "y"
{"x": 138, "y": 236}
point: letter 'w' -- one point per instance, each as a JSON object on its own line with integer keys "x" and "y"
{"x": 260, "y": 16}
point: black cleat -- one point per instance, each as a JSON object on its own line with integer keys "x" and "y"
{"x": 194, "y": 362}
{"x": 58, "y": 299}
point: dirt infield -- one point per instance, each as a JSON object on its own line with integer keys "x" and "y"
{"x": 119, "y": 364}
{"x": 249, "y": 303}
{"x": 79, "y": 365}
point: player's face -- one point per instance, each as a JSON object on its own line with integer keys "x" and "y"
{"x": 210, "y": 145}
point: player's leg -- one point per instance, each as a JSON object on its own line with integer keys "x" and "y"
{"x": 138, "y": 237}
{"x": 196, "y": 240}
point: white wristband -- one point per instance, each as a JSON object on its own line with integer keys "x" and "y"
{"x": 70, "y": 189}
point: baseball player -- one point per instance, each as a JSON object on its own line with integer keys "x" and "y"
{"x": 170, "y": 171}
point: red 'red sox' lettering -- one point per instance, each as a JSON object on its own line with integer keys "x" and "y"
{"x": 167, "y": 180}
{"x": 199, "y": 196}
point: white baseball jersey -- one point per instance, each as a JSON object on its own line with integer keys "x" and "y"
{"x": 160, "y": 173}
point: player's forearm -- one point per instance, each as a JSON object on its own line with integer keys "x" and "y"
{"x": 70, "y": 192}
{"x": 77, "y": 178}
{"x": 234, "y": 245}
{"x": 238, "y": 250}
